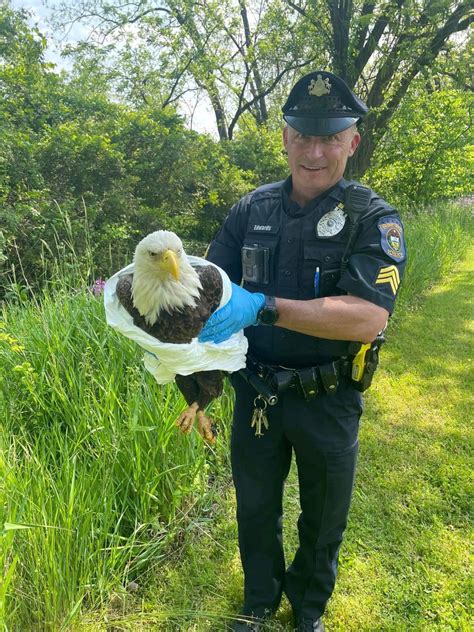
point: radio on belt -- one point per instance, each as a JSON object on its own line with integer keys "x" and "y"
{"x": 255, "y": 263}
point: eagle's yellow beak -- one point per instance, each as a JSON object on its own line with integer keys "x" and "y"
{"x": 169, "y": 263}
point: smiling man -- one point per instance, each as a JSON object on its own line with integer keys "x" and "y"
{"x": 320, "y": 260}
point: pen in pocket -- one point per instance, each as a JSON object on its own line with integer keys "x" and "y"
{"x": 316, "y": 282}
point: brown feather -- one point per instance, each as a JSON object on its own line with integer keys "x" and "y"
{"x": 201, "y": 387}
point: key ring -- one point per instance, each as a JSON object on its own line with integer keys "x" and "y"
{"x": 260, "y": 403}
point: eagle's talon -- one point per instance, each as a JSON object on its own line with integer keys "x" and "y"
{"x": 185, "y": 421}
{"x": 205, "y": 428}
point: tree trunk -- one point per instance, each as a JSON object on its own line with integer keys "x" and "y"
{"x": 256, "y": 85}
{"x": 340, "y": 12}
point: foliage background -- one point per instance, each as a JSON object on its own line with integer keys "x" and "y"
{"x": 81, "y": 153}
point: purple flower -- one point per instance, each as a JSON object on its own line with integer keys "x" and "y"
{"x": 98, "y": 287}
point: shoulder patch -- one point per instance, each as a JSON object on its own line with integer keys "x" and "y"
{"x": 391, "y": 237}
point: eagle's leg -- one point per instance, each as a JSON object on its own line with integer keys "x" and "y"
{"x": 205, "y": 427}
{"x": 186, "y": 420}
{"x": 210, "y": 384}
{"x": 199, "y": 389}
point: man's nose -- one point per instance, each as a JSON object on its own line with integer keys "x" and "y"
{"x": 314, "y": 148}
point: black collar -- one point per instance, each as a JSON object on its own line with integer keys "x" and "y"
{"x": 293, "y": 209}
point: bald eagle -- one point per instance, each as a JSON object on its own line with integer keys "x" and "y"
{"x": 172, "y": 300}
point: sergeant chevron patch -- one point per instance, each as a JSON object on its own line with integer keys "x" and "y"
{"x": 389, "y": 275}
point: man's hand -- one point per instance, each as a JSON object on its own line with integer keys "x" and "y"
{"x": 239, "y": 312}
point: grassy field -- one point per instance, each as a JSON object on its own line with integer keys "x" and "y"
{"x": 98, "y": 490}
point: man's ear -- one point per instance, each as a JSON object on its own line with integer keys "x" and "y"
{"x": 354, "y": 143}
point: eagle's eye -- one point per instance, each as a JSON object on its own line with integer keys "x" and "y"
{"x": 152, "y": 254}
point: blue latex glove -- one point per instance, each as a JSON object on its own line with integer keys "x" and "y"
{"x": 239, "y": 312}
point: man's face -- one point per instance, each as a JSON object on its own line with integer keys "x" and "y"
{"x": 317, "y": 162}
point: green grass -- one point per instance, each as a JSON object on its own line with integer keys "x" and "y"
{"x": 436, "y": 237}
{"x": 97, "y": 488}
{"x": 407, "y": 549}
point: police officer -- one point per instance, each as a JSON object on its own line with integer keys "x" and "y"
{"x": 320, "y": 274}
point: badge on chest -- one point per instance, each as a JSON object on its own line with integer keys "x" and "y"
{"x": 331, "y": 223}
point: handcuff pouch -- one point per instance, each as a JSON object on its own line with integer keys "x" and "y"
{"x": 281, "y": 380}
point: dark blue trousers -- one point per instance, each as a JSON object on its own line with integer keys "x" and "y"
{"x": 323, "y": 435}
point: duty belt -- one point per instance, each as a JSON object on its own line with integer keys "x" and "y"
{"x": 309, "y": 382}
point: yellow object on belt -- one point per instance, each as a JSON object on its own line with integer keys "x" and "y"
{"x": 358, "y": 363}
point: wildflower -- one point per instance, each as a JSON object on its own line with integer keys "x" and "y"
{"x": 98, "y": 287}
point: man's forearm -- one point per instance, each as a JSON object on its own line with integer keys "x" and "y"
{"x": 333, "y": 317}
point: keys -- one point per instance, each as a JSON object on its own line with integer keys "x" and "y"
{"x": 259, "y": 417}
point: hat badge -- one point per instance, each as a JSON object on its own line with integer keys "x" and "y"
{"x": 319, "y": 86}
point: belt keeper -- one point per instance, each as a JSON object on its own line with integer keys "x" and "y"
{"x": 328, "y": 373}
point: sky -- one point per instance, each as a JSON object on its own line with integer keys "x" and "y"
{"x": 203, "y": 118}
{"x": 40, "y": 15}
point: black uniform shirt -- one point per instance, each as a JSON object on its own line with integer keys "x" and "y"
{"x": 305, "y": 246}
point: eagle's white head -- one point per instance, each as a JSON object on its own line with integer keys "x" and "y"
{"x": 163, "y": 278}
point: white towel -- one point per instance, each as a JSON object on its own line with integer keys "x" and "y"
{"x": 164, "y": 360}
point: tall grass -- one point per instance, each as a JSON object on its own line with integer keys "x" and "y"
{"x": 94, "y": 477}
{"x": 94, "y": 467}
{"x": 436, "y": 238}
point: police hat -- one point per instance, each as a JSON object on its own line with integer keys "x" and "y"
{"x": 321, "y": 103}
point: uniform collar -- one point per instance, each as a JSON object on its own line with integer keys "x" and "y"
{"x": 293, "y": 209}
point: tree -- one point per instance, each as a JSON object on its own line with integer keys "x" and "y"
{"x": 380, "y": 48}
{"x": 243, "y": 53}
{"x": 74, "y": 164}
{"x": 236, "y": 52}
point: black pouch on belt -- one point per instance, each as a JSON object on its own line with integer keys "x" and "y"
{"x": 281, "y": 380}
{"x": 307, "y": 382}
{"x": 329, "y": 378}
